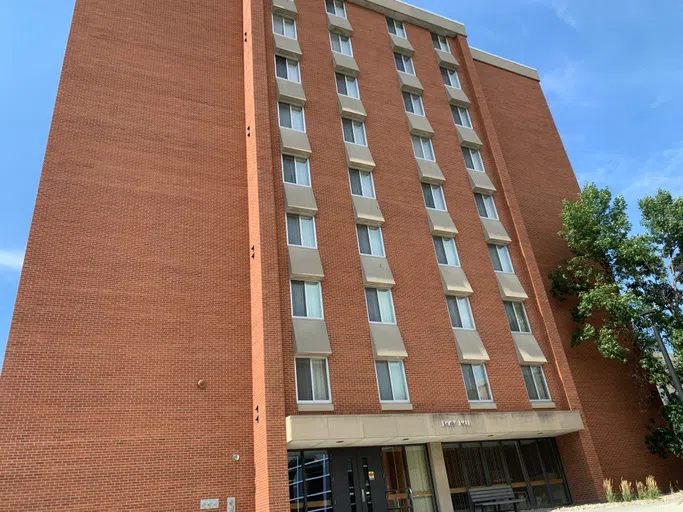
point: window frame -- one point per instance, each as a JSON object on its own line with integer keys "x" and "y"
{"x": 526, "y": 317}
{"x": 287, "y": 61}
{"x": 310, "y": 368}
{"x": 451, "y": 73}
{"x": 346, "y": 84}
{"x": 469, "y": 310}
{"x": 533, "y": 379}
{"x": 290, "y": 105}
{"x": 436, "y": 38}
{"x": 481, "y": 159}
{"x": 308, "y": 169}
{"x": 508, "y": 259}
{"x": 493, "y": 206}
{"x": 443, "y": 196}
{"x": 455, "y": 247}
{"x": 393, "y": 23}
{"x": 340, "y": 44}
{"x": 293, "y": 20}
{"x": 315, "y": 231}
{"x": 403, "y": 59}
{"x": 391, "y": 299}
{"x": 431, "y": 147}
{"x": 459, "y": 109}
{"x": 291, "y": 299}
{"x": 372, "y": 183}
{"x": 352, "y": 121}
{"x": 391, "y": 382}
{"x": 334, "y": 6}
{"x": 412, "y": 97}
{"x": 488, "y": 383}
{"x": 381, "y": 239}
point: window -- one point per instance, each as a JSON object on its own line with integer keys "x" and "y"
{"x": 450, "y": 77}
{"x": 446, "y": 252}
{"x": 361, "y": 183}
{"x": 391, "y": 381}
{"x": 433, "y": 195}
{"x": 341, "y": 44}
{"x": 370, "y": 240}
{"x": 516, "y": 316}
{"x": 476, "y": 383}
{"x": 485, "y": 206}
{"x": 536, "y": 386}
{"x": 404, "y": 63}
{"x": 312, "y": 380}
{"x": 301, "y": 230}
{"x": 291, "y": 116}
{"x": 460, "y": 312}
{"x": 461, "y": 116}
{"x": 396, "y": 28}
{"x": 380, "y": 305}
{"x": 413, "y": 103}
{"x": 354, "y": 132}
{"x": 287, "y": 69}
{"x": 296, "y": 170}
{"x": 347, "y": 86}
{"x": 473, "y": 159}
{"x": 284, "y": 26}
{"x": 423, "y": 148}
{"x": 500, "y": 257}
{"x": 307, "y": 301}
{"x": 440, "y": 43}
{"x": 336, "y": 7}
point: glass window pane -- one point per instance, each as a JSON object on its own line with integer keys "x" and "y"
{"x": 427, "y": 194}
{"x": 470, "y": 384}
{"x": 383, "y": 380}
{"x": 314, "y": 303}
{"x": 354, "y": 176}
{"x": 336, "y": 44}
{"x": 529, "y": 382}
{"x": 278, "y": 24}
{"x": 533, "y": 465}
{"x": 341, "y": 84}
{"x": 398, "y": 384}
{"x": 329, "y": 6}
{"x": 454, "y": 312}
{"x": 469, "y": 163}
{"x": 386, "y": 307}
{"x": 428, "y": 149}
{"x": 465, "y": 313}
{"x": 345, "y": 45}
{"x": 366, "y": 182}
{"x": 373, "y": 305}
{"x": 290, "y": 30}
{"x": 288, "y": 169}
{"x": 490, "y": 206}
{"x": 482, "y": 382}
{"x": 293, "y": 230}
{"x": 439, "y": 201}
{"x": 285, "y": 115}
{"x": 390, "y": 26}
{"x": 318, "y": 481}
{"x": 302, "y": 172}
{"x": 419, "y": 108}
{"x": 398, "y": 59}
{"x": 440, "y": 249}
{"x": 539, "y": 380}
{"x": 506, "y": 262}
{"x": 451, "y": 252}
{"x": 445, "y": 76}
{"x": 464, "y": 117}
{"x": 359, "y": 133}
{"x": 512, "y": 317}
{"x": 307, "y": 226}
{"x": 304, "y": 386}
{"x": 319, "y": 368}
{"x": 476, "y": 159}
{"x": 420, "y": 481}
{"x": 297, "y": 118}
{"x": 408, "y": 102}
{"x": 281, "y": 67}
{"x": 293, "y": 71}
{"x": 298, "y": 299}
{"x": 296, "y": 482}
{"x": 456, "y": 115}
{"x": 521, "y": 317}
{"x": 363, "y": 239}
{"x": 417, "y": 147}
{"x": 347, "y": 126}
{"x": 495, "y": 259}
{"x": 352, "y": 87}
{"x": 408, "y": 62}
{"x": 481, "y": 205}
{"x": 376, "y": 246}
{"x": 435, "y": 40}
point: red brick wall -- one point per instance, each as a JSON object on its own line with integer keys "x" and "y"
{"x": 616, "y": 411}
{"x": 136, "y": 277}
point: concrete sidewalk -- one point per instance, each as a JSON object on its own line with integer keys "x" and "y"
{"x": 673, "y": 502}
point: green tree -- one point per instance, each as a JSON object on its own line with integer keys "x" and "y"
{"x": 621, "y": 283}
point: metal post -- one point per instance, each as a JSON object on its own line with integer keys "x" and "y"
{"x": 669, "y": 365}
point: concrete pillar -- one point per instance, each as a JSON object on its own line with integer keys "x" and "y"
{"x": 442, "y": 490}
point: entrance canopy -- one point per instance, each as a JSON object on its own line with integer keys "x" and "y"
{"x": 337, "y": 431}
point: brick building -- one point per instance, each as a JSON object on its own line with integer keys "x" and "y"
{"x": 293, "y": 255}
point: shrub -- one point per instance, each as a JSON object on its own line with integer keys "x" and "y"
{"x": 626, "y": 490}
{"x": 653, "y": 491}
{"x": 641, "y": 490}
{"x": 610, "y": 495}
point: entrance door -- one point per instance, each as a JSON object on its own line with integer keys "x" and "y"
{"x": 358, "y": 480}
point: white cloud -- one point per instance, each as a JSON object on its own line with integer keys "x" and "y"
{"x": 568, "y": 84}
{"x": 561, "y": 9}
{"x": 11, "y": 260}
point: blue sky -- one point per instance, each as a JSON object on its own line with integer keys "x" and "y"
{"x": 612, "y": 71}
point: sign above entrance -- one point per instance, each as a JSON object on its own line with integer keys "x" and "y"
{"x": 456, "y": 423}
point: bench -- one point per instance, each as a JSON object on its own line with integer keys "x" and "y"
{"x": 495, "y": 496}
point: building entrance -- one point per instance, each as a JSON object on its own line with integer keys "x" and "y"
{"x": 358, "y": 483}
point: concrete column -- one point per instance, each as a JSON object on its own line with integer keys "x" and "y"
{"x": 442, "y": 490}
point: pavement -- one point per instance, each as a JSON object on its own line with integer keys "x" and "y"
{"x": 673, "y": 503}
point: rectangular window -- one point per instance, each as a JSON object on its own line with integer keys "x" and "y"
{"x": 473, "y": 159}
{"x": 461, "y": 116}
{"x": 291, "y": 116}
{"x": 301, "y": 230}
{"x": 440, "y": 43}
{"x": 485, "y": 206}
{"x": 396, "y": 27}
{"x": 413, "y": 103}
{"x": 354, "y": 131}
{"x": 446, "y": 252}
{"x": 500, "y": 257}
{"x": 284, "y": 26}
{"x": 312, "y": 380}
{"x": 361, "y": 183}
{"x": 347, "y": 86}
{"x": 404, "y": 63}
{"x": 460, "y": 312}
{"x": 516, "y": 315}
{"x": 287, "y": 69}
{"x": 476, "y": 382}
{"x": 423, "y": 148}
{"x": 341, "y": 44}
{"x": 391, "y": 381}
{"x": 296, "y": 170}
{"x": 336, "y": 7}
{"x": 307, "y": 301}
{"x": 536, "y": 386}
{"x": 370, "y": 240}
{"x": 433, "y": 196}
{"x": 450, "y": 77}
{"x": 380, "y": 305}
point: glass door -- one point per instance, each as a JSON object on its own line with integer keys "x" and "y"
{"x": 357, "y": 480}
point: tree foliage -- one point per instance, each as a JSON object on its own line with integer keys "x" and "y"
{"x": 622, "y": 283}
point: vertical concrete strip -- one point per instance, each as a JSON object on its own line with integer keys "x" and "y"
{"x": 270, "y": 450}
{"x": 442, "y": 490}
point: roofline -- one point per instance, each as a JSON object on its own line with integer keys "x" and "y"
{"x": 506, "y": 64}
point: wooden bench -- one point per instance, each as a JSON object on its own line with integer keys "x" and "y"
{"x": 495, "y": 496}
